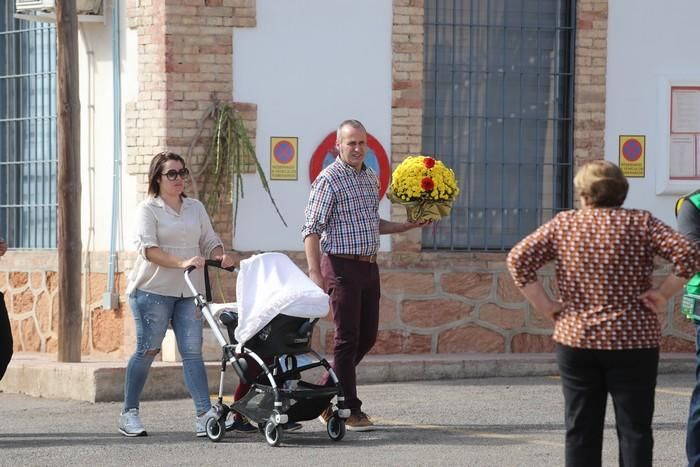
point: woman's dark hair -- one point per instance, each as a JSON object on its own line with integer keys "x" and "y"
{"x": 602, "y": 183}
{"x": 156, "y": 170}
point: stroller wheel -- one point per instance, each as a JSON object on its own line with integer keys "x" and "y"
{"x": 261, "y": 428}
{"x": 216, "y": 429}
{"x": 335, "y": 428}
{"x": 273, "y": 434}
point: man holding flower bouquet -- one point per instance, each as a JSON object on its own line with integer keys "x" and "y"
{"x": 341, "y": 240}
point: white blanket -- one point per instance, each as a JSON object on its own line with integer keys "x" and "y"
{"x": 269, "y": 284}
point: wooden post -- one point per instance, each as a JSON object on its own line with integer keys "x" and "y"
{"x": 70, "y": 245}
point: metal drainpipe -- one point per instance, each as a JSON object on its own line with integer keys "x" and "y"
{"x": 110, "y": 300}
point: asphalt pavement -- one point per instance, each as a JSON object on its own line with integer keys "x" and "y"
{"x": 469, "y": 422}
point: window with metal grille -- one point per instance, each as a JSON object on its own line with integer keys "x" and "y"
{"x": 28, "y": 163}
{"x": 498, "y": 109}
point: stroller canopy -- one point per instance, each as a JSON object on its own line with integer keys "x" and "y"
{"x": 269, "y": 284}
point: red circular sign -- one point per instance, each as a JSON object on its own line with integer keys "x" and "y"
{"x": 375, "y": 158}
{"x": 632, "y": 150}
{"x": 283, "y": 152}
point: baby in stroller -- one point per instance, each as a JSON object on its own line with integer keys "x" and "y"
{"x": 271, "y": 324}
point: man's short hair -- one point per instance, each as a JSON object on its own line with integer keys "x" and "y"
{"x": 353, "y": 123}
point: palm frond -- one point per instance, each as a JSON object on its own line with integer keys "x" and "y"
{"x": 229, "y": 150}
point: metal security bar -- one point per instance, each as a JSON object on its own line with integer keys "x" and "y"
{"x": 28, "y": 162}
{"x": 498, "y": 109}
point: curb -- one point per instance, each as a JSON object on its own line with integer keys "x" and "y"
{"x": 100, "y": 381}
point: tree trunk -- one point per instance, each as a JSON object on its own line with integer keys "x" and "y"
{"x": 69, "y": 235}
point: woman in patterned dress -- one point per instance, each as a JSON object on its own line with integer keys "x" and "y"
{"x": 605, "y": 319}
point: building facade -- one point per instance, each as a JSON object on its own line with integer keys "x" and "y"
{"x": 512, "y": 95}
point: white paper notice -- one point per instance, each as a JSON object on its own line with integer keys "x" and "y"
{"x": 685, "y": 111}
{"x": 682, "y": 156}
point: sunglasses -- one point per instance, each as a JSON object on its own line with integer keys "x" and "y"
{"x": 172, "y": 174}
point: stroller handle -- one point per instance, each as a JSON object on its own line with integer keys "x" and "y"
{"x": 216, "y": 263}
{"x": 208, "y": 263}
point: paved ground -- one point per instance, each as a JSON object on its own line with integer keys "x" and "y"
{"x": 472, "y": 422}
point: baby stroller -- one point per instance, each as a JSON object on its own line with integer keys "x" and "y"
{"x": 272, "y": 321}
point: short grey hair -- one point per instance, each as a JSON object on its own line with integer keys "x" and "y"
{"x": 353, "y": 123}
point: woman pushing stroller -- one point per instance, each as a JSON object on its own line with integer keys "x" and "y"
{"x": 173, "y": 232}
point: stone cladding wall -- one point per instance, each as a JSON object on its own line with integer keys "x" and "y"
{"x": 29, "y": 281}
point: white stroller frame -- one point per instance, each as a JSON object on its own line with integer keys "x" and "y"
{"x": 233, "y": 355}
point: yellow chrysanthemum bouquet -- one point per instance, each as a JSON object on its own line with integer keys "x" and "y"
{"x": 425, "y": 186}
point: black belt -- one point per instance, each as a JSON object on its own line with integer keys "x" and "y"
{"x": 366, "y": 259}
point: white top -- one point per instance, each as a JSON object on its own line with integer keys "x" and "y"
{"x": 270, "y": 284}
{"x": 185, "y": 234}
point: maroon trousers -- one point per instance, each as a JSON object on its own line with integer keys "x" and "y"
{"x": 354, "y": 292}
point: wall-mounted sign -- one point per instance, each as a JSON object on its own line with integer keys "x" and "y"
{"x": 375, "y": 158}
{"x": 632, "y": 155}
{"x": 284, "y": 162}
{"x": 677, "y": 134}
{"x": 685, "y": 133}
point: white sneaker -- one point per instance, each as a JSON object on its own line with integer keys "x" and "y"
{"x": 130, "y": 424}
{"x": 201, "y": 425}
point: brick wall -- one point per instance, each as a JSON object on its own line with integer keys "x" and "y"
{"x": 185, "y": 57}
{"x": 407, "y": 100}
{"x": 591, "y": 58}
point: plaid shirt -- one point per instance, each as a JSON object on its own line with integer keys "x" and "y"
{"x": 604, "y": 260}
{"x": 343, "y": 209}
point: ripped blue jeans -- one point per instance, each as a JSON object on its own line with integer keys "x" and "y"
{"x": 152, "y": 315}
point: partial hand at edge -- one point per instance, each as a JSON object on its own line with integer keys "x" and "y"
{"x": 317, "y": 278}
{"x": 554, "y": 308}
{"x": 196, "y": 261}
{"x": 226, "y": 260}
{"x": 417, "y": 224}
{"x": 654, "y": 300}
{"x": 536, "y": 295}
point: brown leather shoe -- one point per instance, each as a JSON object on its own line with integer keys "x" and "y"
{"x": 359, "y": 422}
